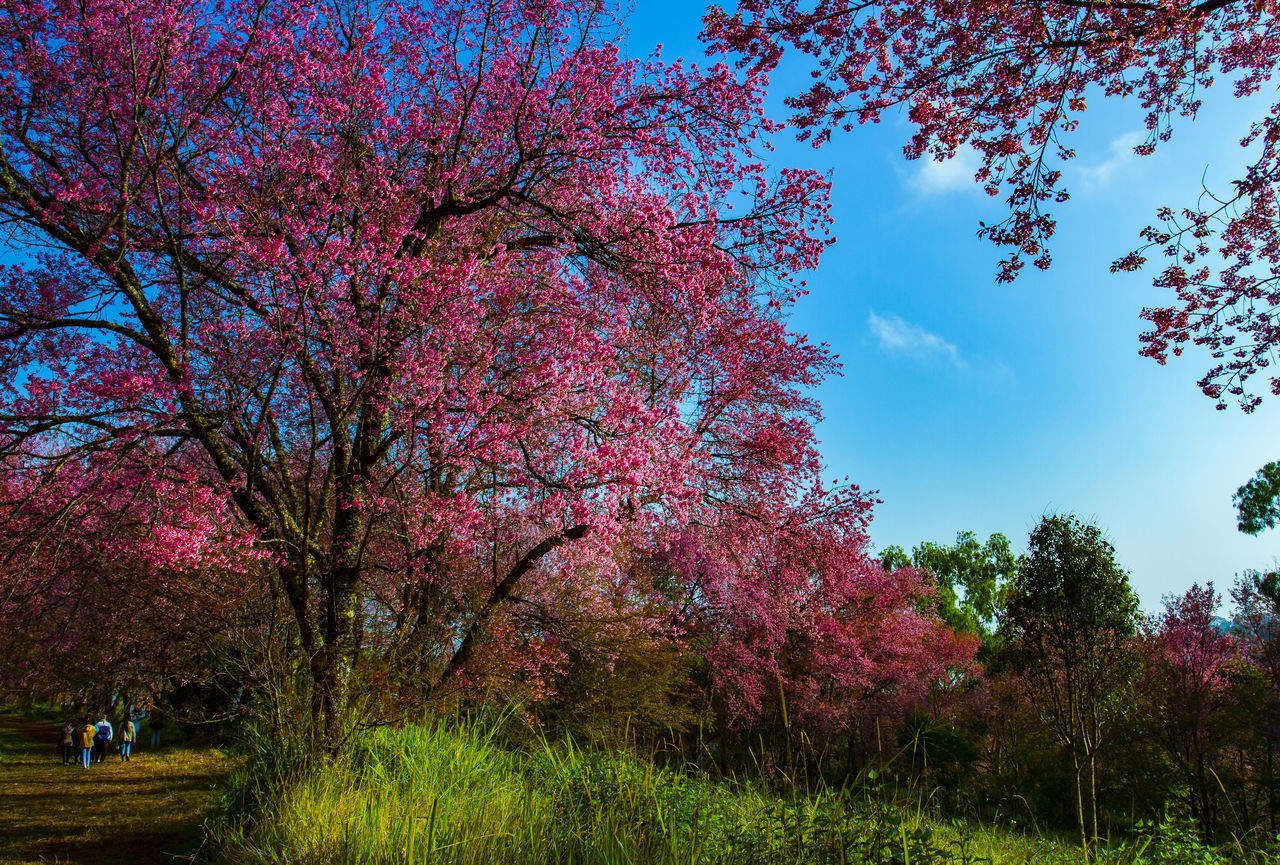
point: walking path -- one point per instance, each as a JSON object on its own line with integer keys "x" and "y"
{"x": 146, "y": 811}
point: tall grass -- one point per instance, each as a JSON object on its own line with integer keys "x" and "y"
{"x": 451, "y": 794}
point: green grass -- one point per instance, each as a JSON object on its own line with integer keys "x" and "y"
{"x": 450, "y": 794}
{"x": 432, "y": 794}
{"x": 139, "y": 812}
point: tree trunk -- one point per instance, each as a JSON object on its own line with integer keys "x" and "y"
{"x": 341, "y": 649}
{"x": 1093, "y": 793}
{"x": 1272, "y": 808}
{"x": 1204, "y": 810}
{"x": 1195, "y": 785}
{"x": 1084, "y": 838}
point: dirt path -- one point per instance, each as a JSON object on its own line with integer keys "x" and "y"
{"x": 145, "y": 811}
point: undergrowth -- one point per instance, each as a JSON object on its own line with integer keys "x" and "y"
{"x": 451, "y": 794}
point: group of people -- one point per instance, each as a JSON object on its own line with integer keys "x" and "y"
{"x": 83, "y": 742}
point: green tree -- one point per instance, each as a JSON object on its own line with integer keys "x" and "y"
{"x": 1258, "y": 501}
{"x": 1069, "y": 626}
{"x": 970, "y": 577}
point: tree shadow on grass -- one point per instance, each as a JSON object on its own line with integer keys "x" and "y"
{"x": 146, "y": 811}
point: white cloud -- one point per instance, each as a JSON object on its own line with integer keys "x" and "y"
{"x": 902, "y": 337}
{"x": 952, "y": 175}
{"x": 1100, "y": 175}
{"x": 955, "y": 175}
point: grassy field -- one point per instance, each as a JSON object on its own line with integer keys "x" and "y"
{"x": 140, "y": 812}
{"x": 449, "y": 795}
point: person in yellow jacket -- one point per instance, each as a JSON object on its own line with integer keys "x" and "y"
{"x": 82, "y": 739}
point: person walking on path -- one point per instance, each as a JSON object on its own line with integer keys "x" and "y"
{"x": 102, "y": 738}
{"x": 128, "y": 733}
{"x": 82, "y": 741}
{"x": 66, "y": 743}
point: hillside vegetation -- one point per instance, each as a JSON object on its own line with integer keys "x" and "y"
{"x": 452, "y": 793}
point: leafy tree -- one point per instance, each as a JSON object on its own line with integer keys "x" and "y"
{"x": 1188, "y": 680}
{"x": 621, "y": 695}
{"x": 938, "y": 752}
{"x": 427, "y": 314}
{"x": 1257, "y": 629}
{"x": 1069, "y": 623}
{"x": 1258, "y": 501}
{"x": 978, "y": 570}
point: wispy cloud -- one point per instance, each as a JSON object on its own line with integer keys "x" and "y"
{"x": 1120, "y": 153}
{"x": 899, "y": 336}
{"x": 953, "y": 175}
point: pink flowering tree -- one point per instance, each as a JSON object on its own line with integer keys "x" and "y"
{"x": 1189, "y": 663}
{"x": 800, "y": 626}
{"x": 425, "y": 319}
{"x": 1010, "y": 81}
{"x": 110, "y": 598}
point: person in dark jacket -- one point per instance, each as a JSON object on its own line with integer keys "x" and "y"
{"x": 66, "y": 743}
{"x": 102, "y": 739}
{"x": 128, "y": 735}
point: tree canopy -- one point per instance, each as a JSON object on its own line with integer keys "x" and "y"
{"x": 1069, "y": 625}
{"x": 436, "y": 323}
{"x": 979, "y": 571}
{"x": 1011, "y": 81}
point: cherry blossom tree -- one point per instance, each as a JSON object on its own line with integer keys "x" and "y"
{"x": 798, "y": 622}
{"x": 428, "y": 315}
{"x": 1011, "y": 80}
{"x": 1188, "y": 677}
{"x": 117, "y": 597}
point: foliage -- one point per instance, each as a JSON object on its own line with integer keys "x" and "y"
{"x": 1256, "y": 687}
{"x": 1172, "y": 842}
{"x": 445, "y": 793}
{"x": 449, "y": 792}
{"x": 1069, "y": 621}
{"x": 939, "y": 754}
{"x": 619, "y": 695}
{"x": 1258, "y": 501}
{"x": 980, "y": 571}
{"x": 1188, "y": 677}
{"x": 431, "y": 324}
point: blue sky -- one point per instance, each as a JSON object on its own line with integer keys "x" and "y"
{"x": 976, "y": 406}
